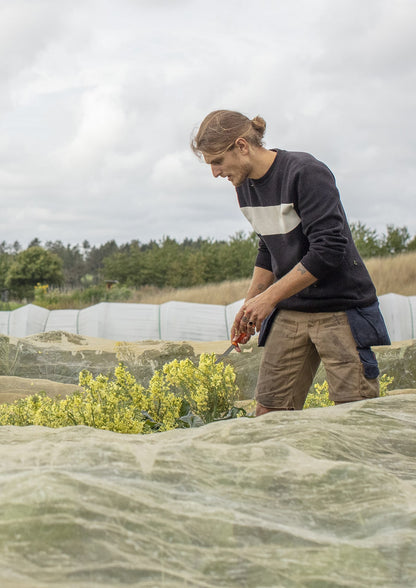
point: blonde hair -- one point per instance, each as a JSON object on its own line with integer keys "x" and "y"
{"x": 221, "y": 128}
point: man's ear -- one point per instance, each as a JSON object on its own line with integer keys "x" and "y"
{"x": 242, "y": 145}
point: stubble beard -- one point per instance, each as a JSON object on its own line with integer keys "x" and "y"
{"x": 243, "y": 176}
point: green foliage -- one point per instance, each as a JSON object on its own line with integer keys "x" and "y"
{"x": 7, "y": 306}
{"x": 395, "y": 240}
{"x": 171, "y": 264}
{"x": 366, "y": 240}
{"x": 369, "y": 244}
{"x": 5, "y": 263}
{"x": 164, "y": 263}
{"x": 33, "y": 266}
{"x": 54, "y": 298}
{"x": 94, "y": 258}
{"x": 411, "y": 246}
{"x": 319, "y": 396}
{"x": 72, "y": 262}
{"x": 180, "y": 395}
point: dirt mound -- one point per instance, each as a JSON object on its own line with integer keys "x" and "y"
{"x": 12, "y": 388}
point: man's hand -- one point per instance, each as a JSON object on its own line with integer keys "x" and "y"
{"x": 242, "y": 325}
{"x": 251, "y": 315}
{"x": 256, "y": 308}
{"x": 254, "y": 311}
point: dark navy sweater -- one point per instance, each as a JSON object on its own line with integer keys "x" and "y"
{"x": 296, "y": 211}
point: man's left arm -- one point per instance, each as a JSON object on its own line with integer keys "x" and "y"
{"x": 323, "y": 220}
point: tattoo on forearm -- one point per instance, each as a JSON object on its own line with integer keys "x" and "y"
{"x": 260, "y": 287}
{"x": 301, "y": 269}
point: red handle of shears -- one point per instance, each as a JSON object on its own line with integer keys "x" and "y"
{"x": 239, "y": 339}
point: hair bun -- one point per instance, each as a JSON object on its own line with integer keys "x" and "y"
{"x": 259, "y": 124}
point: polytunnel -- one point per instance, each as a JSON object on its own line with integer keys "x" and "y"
{"x": 399, "y": 314}
{"x": 120, "y": 321}
{"x": 171, "y": 321}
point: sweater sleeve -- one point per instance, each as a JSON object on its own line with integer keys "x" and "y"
{"x": 322, "y": 217}
{"x": 263, "y": 256}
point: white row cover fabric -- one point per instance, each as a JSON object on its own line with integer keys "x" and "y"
{"x": 119, "y": 321}
{"x": 399, "y": 314}
{"x": 172, "y": 321}
{"x": 27, "y": 320}
{"x": 188, "y": 321}
{"x": 62, "y": 320}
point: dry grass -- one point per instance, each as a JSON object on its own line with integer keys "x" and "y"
{"x": 394, "y": 274}
{"x": 223, "y": 293}
{"x": 390, "y": 274}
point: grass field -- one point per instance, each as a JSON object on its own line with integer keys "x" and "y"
{"x": 394, "y": 274}
{"x": 390, "y": 274}
{"x": 223, "y": 293}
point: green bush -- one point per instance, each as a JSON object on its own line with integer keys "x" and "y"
{"x": 33, "y": 266}
{"x": 54, "y": 298}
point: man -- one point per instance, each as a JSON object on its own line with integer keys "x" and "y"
{"x": 311, "y": 297}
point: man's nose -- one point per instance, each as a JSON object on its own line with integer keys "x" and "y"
{"x": 216, "y": 171}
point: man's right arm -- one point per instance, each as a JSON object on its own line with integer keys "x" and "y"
{"x": 260, "y": 281}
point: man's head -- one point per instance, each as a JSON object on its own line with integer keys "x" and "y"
{"x": 226, "y": 140}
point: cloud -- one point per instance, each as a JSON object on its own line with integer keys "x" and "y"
{"x": 99, "y": 98}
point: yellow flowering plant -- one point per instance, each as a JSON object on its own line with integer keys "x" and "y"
{"x": 182, "y": 394}
{"x": 319, "y": 396}
{"x": 40, "y": 291}
{"x": 209, "y": 389}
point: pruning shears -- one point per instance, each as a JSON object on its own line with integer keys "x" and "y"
{"x": 234, "y": 345}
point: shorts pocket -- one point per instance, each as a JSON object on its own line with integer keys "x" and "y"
{"x": 369, "y": 361}
{"x": 265, "y": 327}
{"x": 368, "y": 326}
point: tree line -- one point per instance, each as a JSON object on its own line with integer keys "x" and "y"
{"x": 164, "y": 263}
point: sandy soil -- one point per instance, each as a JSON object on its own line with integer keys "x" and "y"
{"x": 66, "y": 341}
{"x": 12, "y": 388}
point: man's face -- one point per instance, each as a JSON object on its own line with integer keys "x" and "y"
{"x": 232, "y": 165}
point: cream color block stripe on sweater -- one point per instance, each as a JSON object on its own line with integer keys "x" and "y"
{"x": 272, "y": 220}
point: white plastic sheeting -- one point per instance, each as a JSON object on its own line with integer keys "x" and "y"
{"x": 399, "y": 314}
{"x": 172, "y": 321}
{"x": 4, "y": 322}
{"x": 230, "y": 312}
{"x": 119, "y": 321}
{"x": 27, "y": 320}
{"x": 62, "y": 320}
{"x": 193, "y": 322}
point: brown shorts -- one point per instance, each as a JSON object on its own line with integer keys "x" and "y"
{"x": 297, "y": 342}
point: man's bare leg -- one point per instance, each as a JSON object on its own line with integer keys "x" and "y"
{"x": 260, "y": 409}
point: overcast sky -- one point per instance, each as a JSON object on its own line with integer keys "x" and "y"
{"x": 98, "y": 99}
